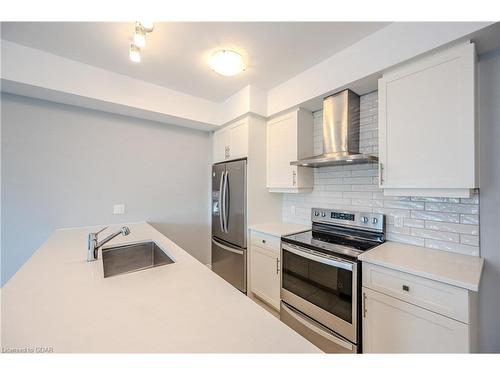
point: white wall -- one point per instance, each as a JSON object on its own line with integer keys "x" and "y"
{"x": 34, "y": 73}
{"x": 30, "y": 72}
{"x": 489, "y": 120}
{"x": 65, "y": 166}
{"x": 449, "y": 224}
{"x": 382, "y": 50}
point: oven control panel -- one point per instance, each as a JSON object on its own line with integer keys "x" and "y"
{"x": 342, "y": 216}
{"x": 365, "y": 220}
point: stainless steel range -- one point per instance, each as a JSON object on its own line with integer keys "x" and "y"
{"x": 321, "y": 277}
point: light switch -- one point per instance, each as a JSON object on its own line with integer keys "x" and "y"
{"x": 119, "y": 209}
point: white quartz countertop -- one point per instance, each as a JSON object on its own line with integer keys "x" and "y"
{"x": 463, "y": 271}
{"x": 280, "y": 229}
{"x": 59, "y": 300}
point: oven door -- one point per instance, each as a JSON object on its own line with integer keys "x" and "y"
{"x": 321, "y": 286}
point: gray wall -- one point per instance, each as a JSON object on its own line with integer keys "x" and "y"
{"x": 489, "y": 120}
{"x": 64, "y": 166}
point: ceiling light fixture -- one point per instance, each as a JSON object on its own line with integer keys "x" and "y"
{"x": 226, "y": 62}
{"x": 147, "y": 25}
{"x": 135, "y": 53}
{"x": 139, "y": 36}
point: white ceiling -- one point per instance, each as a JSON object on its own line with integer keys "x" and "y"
{"x": 175, "y": 55}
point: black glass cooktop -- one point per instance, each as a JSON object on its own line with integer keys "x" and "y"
{"x": 347, "y": 244}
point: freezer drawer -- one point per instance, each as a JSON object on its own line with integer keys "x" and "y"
{"x": 325, "y": 339}
{"x": 230, "y": 263}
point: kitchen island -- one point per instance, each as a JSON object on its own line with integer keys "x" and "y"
{"x": 61, "y": 302}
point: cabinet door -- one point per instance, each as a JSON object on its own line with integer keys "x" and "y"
{"x": 281, "y": 150}
{"x": 216, "y": 154}
{"x": 265, "y": 279}
{"x": 427, "y": 123}
{"x": 393, "y": 326}
{"x": 239, "y": 139}
{"x": 221, "y": 145}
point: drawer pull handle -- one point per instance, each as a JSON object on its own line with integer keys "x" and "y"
{"x": 406, "y": 288}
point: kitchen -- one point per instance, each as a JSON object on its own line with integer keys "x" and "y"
{"x": 345, "y": 203}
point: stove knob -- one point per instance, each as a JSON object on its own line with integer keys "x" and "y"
{"x": 364, "y": 219}
{"x": 316, "y": 213}
{"x": 323, "y": 214}
{"x": 374, "y": 220}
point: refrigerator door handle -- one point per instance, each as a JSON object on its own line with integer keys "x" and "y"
{"x": 222, "y": 246}
{"x": 226, "y": 213}
{"x": 223, "y": 206}
{"x": 221, "y": 209}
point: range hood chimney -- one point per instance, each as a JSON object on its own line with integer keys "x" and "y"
{"x": 340, "y": 133}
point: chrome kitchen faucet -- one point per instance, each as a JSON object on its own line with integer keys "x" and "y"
{"x": 94, "y": 245}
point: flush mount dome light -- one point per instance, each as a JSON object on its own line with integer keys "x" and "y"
{"x": 147, "y": 25}
{"x": 227, "y": 62}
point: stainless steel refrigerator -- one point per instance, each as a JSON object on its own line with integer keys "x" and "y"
{"x": 229, "y": 227}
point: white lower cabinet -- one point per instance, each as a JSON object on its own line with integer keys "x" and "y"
{"x": 393, "y": 326}
{"x": 265, "y": 268}
{"x": 404, "y": 313}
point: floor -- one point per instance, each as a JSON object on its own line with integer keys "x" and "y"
{"x": 262, "y": 304}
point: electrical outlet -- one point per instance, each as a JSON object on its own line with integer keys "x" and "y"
{"x": 399, "y": 221}
{"x": 292, "y": 210}
{"x": 118, "y": 209}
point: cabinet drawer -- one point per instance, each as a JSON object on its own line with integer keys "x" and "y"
{"x": 266, "y": 241}
{"x": 432, "y": 295}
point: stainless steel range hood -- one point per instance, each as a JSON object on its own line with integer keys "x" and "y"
{"x": 340, "y": 133}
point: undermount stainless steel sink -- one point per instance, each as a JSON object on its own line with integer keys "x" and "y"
{"x": 133, "y": 257}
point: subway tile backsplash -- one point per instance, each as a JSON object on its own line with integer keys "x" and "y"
{"x": 449, "y": 224}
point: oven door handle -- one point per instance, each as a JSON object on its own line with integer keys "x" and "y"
{"x": 328, "y": 260}
{"x": 315, "y": 328}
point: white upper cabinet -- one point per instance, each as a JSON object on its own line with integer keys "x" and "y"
{"x": 231, "y": 142}
{"x": 221, "y": 142}
{"x": 239, "y": 139}
{"x": 289, "y": 138}
{"x": 427, "y": 125}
